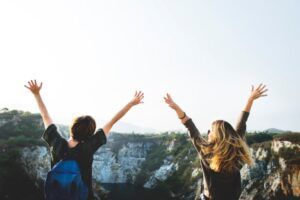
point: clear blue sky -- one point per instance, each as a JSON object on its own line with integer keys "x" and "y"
{"x": 93, "y": 55}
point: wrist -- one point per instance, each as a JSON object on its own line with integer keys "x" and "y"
{"x": 130, "y": 104}
{"x": 250, "y": 99}
{"x": 176, "y": 107}
{"x": 36, "y": 94}
{"x": 182, "y": 116}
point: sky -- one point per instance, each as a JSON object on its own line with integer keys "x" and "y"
{"x": 92, "y": 56}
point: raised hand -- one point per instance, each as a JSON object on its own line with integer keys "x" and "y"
{"x": 34, "y": 87}
{"x": 137, "y": 99}
{"x": 180, "y": 113}
{"x": 257, "y": 92}
{"x": 170, "y": 101}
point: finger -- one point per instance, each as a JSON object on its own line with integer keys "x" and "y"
{"x": 263, "y": 87}
{"x": 41, "y": 84}
{"x": 139, "y": 93}
{"x": 27, "y": 87}
{"x": 169, "y": 96}
{"x": 258, "y": 88}
{"x": 142, "y": 94}
{"x": 35, "y": 83}
{"x": 29, "y": 83}
{"x": 252, "y": 88}
{"x": 263, "y": 91}
{"x": 32, "y": 83}
{"x": 167, "y": 101}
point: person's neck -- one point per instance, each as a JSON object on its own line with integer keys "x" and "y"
{"x": 72, "y": 143}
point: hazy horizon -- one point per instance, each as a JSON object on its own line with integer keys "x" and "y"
{"x": 93, "y": 55}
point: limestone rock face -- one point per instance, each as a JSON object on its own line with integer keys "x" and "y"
{"x": 36, "y": 162}
{"x": 121, "y": 166}
{"x": 274, "y": 178}
{"x": 271, "y": 176}
{"x": 164, "y": 172}
{"x": 278, "y": 144}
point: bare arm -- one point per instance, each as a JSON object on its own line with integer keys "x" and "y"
{"x": 197, "y": 140}
{"x": 180, "y": 113}
{"x": 35, "y": 89}
{"x": 137, "y": 99}
{"x": 256, "y": 93}
{"x": 185, "y": 120}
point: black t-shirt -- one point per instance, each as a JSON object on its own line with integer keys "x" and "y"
{"x": 83, "y": 152}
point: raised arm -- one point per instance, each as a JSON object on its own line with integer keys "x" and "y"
{"x": 137, "y": 99}
{"x": 256, "y": 93}
{"x": 197, "y": 140}
{"x": 185, "y": 120}
{"x": 35, "y": 89}
{"x": 180, "y": 113}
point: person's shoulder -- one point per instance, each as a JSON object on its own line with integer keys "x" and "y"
{"x": 99, "y": 134}
{"x": 51, "y": 135}
{"x": 97, "y": 139}
{"x": 51, "y": 127}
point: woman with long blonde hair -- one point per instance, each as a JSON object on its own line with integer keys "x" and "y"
{"x": 223, "y": 153}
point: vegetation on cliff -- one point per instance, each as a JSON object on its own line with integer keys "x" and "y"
{"x": 19, "y": 129}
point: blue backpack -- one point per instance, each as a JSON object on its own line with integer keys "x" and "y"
{"x": 64, "y": 182}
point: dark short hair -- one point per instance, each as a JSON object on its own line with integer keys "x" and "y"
{"x": 83, "y": 127}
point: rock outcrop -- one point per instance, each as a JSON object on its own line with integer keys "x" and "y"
{"x": 167, "y": 162}
{"x": 271, "y": 176}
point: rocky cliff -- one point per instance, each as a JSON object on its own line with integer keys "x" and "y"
{"x": 165, "y": 162}
{"x": 274, "y": 174}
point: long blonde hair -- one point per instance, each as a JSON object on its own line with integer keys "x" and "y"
{"x": 227, "y": 148}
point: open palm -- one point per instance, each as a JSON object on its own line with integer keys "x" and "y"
{"x": 170, "y": 101}
{"x": 34, "y": 87}
{"x": 257, "y": 92}
{"x": 138, "y": 98}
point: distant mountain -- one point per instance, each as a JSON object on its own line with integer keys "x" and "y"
{"x": 275, "y": 130}
{"x": 120, "y": 127}
{"x": 269, "y": 130}
{"x": 123, "y": 127}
